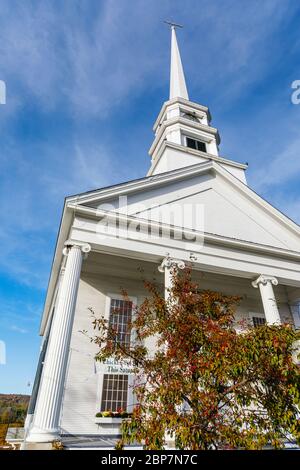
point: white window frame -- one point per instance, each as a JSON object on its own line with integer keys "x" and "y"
{"x": 118, "y": 297}
{"x": 203, "y": 139}
{"x": 115, "y": 375}
{"x": 130, "y": 397}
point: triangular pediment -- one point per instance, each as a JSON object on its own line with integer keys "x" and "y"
{"x": 210, "y": 200}
{"x": 213, "y": 212}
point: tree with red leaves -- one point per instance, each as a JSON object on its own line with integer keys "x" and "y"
{"x": 207, "y": 384}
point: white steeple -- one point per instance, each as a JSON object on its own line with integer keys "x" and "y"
{"x": 184, "y": 135}
{"x": 177, "y": 80}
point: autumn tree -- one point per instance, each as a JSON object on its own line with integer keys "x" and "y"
{"x": 210, "y": 383}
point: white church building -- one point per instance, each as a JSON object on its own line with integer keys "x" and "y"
{"x": 193, "y": 205}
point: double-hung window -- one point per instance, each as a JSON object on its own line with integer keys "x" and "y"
{"x": 114, "y": 392}
{"x": 120, "y": 316}
{"x": 115, "y": 386}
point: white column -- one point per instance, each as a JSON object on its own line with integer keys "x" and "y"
{"x": 45, "y": 426}
{"x": 265, "y": 285}
{"x": 38, "y": 374}
{"x": 167, "y": 266}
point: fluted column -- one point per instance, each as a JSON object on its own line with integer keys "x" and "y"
{"x": 167, "y": 266}
{"x": 265, "y": 285}
{"x": 45, "y": 426}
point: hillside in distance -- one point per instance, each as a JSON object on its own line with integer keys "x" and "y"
{"x": 13, "y": 408}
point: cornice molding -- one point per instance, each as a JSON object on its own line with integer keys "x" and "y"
{"x": 208, "y": 237}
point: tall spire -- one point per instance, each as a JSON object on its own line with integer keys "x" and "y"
{"x": 183, "y": 134}
{"x": 177, "y": 80}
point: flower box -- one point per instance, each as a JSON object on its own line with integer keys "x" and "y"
{"x": 108, "y": 420}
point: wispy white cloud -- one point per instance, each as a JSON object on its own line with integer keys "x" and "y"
{"x": 16, "y": 328}
{"x": 32, "y": 215}
{"x": 103, "y": 53}
{"x": 20, "y": 313}
{"x": 92, "y": 59}
{"x": 281, "y": 168}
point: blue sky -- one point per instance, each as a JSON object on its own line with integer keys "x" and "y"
{"x": 85, "y": 81}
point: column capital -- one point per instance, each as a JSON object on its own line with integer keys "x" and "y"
{"x": 264, "y": 280}
{"x": 69, "y": 244}
{"x": 170, "y": 263}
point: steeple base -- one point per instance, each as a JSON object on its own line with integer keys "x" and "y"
{"x": 174, "y": 156}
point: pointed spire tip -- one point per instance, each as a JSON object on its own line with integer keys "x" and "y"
{"x": 177, "y": 80}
